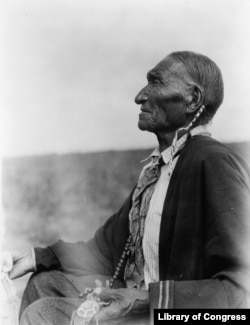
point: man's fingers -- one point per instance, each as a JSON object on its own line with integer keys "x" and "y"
{"x": 14, "y": 274}
{"x": 17, "y": 255}
{"x": 104, "y": 303}
{"x": 98, "y": 283}
{"x": 104, "y": 294}
{"x": 88, "y": 290}
{"x": 7, "y": 262}
{"x": 98, "y": 291}
{"x": 19, "y": 269}
{"x": 102, "y": 314}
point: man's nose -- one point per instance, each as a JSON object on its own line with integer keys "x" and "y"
{"x": 141, "y": 97}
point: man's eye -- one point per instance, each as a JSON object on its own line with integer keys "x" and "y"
{"x": 154, "y": 81}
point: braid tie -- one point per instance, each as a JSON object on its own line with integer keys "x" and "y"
{"x": 187, "y": 130}
{"x": 197, "y": 115}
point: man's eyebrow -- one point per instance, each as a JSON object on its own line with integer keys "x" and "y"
{"x": 154, "y": 74}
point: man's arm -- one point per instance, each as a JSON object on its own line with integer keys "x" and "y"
{"x": 45, "y": 259}
{"x": 79, "y": 258}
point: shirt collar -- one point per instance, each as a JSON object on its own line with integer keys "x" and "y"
{"x": 166, "y": 154}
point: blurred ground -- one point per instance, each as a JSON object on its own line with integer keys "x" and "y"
{"x": 67, "y": 196}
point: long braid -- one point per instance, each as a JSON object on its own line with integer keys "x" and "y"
{"x": 187, "y": 129}
{"x": 197, "y": 115}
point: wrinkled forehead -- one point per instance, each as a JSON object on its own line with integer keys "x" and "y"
{"x": 169, "y": 67}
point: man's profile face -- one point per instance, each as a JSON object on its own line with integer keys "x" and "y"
{"x": 164, "y": 99}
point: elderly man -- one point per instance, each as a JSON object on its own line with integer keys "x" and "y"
{"x": 181, "y": 238}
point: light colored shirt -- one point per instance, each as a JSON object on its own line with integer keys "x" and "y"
{"x": 152, "y": 222}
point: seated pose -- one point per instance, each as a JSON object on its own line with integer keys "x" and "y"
{"x": 180, "y": 240}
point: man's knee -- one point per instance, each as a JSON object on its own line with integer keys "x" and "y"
{"x": 37, "y": 280}
{"x": 50, "y": 311}
{"x": 35, "y": 312}
{"x": 47, "y": 284}
{"x": 40, "y": 285}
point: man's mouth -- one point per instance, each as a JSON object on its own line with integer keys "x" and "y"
{"x": 143, "y": 110}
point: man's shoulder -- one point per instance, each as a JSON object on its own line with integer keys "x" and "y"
{"x": 210, "y": 151}
{"x": 207, "y": 146}
{"x": 206, "y": 149}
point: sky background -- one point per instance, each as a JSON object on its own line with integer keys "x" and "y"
{"x": 70, "y": 69}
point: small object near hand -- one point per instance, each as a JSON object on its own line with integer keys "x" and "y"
{"x": 87, "y": 310}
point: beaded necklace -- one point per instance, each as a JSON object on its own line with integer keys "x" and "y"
{"x": 120, "y": 263}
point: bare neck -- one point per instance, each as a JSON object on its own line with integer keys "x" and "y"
{"x": 166, "y": 140}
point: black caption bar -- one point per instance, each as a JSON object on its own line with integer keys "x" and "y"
{"x": 217, "y": 316}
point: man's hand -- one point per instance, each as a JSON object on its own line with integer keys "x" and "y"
{"x": 123, "y": 303}
{"x": 23, "y": 261}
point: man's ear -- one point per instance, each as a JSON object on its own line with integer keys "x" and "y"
{"x": 196, "y": 99}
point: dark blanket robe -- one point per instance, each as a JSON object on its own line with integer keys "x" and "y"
{"x": 204, "y": 236}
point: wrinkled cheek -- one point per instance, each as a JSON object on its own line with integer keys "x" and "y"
{"x": 154, "y": 117}
{"x": 148, "y": 121}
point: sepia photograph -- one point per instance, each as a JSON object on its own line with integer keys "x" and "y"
{"x": 125, "y": 160}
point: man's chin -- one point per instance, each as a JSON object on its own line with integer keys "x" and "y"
{"x": 144, "y": 126}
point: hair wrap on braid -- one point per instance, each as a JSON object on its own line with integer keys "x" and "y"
{"x": 187, "y": 129}
{"x": 191, "y": 124}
